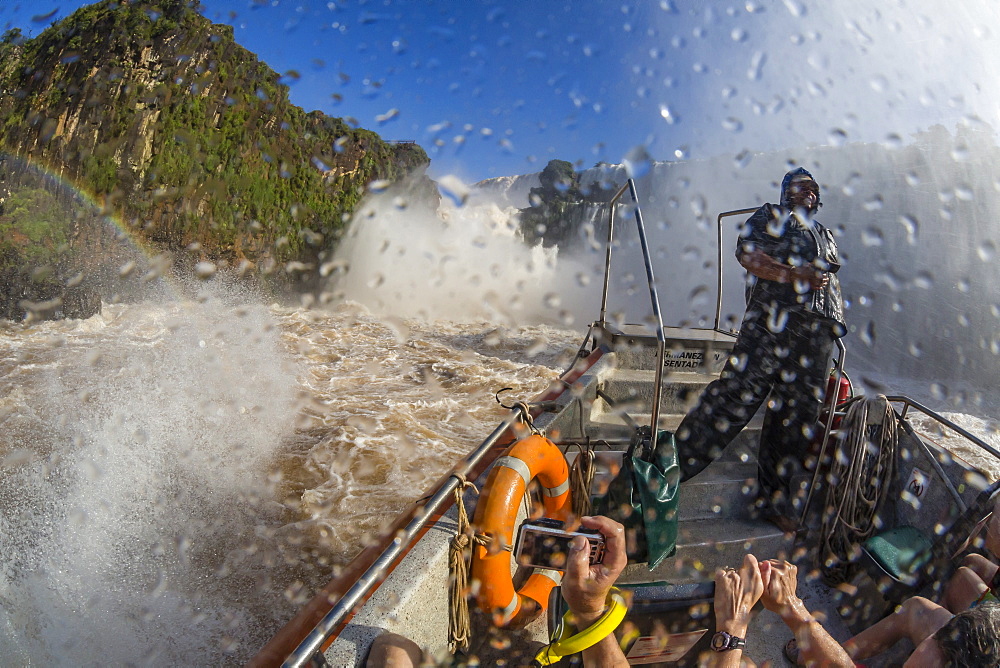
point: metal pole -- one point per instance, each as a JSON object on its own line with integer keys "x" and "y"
{"x": 718, "y": 287}
{"x": 839, "y": 373}
{"x": 607, "y": 254}
{"x": 946, "y": 422}
{"x": 661, "y": 340}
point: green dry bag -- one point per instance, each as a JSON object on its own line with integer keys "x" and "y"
{"x": 643, "y": 497}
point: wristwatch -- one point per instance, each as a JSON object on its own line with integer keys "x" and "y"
{"x": 723, "y": 642}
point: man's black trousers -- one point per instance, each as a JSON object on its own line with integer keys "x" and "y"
{"x": 778, "y": 353}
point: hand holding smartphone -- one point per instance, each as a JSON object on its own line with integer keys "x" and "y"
{"x": 544, "y": 543}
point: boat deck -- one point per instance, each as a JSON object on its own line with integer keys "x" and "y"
{"x": 717, "y": 524}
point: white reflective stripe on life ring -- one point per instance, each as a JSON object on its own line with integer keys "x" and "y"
{"x": 518, "y": 466}
{"x": 555, "y": 576}
{"x": 508, "y": 612}
{"x": 556, "y": 491}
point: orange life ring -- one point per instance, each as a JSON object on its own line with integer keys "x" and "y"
{"x": 496, "y": 514}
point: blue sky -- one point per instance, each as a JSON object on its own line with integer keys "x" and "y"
{"x": 500, "y": 88}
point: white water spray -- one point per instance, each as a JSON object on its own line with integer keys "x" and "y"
{"x": 139, "y": 483}
{"x": 463, "y": 261}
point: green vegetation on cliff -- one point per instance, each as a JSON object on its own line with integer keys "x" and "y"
{"x": 186, "y": 135}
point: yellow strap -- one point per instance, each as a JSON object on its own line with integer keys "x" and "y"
{"x": 564, "y": 646}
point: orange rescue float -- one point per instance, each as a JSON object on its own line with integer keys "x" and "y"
{"x": 496, "y": 514}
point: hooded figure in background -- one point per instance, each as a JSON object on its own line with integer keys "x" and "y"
{"x": 794, "y": 313}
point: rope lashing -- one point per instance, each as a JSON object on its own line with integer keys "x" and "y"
{"x": 522, "y": 408}
{"x": 459, "y": 550}
{"x": 581, "y": 475}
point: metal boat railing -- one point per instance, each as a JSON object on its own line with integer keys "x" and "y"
{"x": 935, "y": 464}
{"x": 313, "y": 643}
{"x": 322, "y": 633}
{"x": 831, "y": 412}
{"x": 940, "y": 419}
{"x": 718, "y": 291}
{"x": 661, "y": 339}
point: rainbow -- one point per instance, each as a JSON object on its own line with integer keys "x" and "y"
{"x": 54, "y": 182}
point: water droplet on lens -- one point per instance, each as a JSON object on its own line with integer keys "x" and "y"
{"x": 732, "y": 124}
{"x": 668, "y": 114}
{"x": 756, "y": 65}
{"x": 871, "y": 236}
{"x": 987, "y": 250}
{"x": 637, "y": 162}
{"x": 911, "y": 227}
{"x": 868, "y": 333}
{"x": 837, "y": 137}
{"x": 699, "y": 206}
{"x": 204, "y": 270}
{"x": 893, "y": 140}
{"x": 454, "y": 189}
{"x": 874, "y": 204}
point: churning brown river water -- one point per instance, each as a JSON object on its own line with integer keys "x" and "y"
{"x": 176, "y": 478}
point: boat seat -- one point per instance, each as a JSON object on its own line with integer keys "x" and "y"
{"x": 905, "y": 560}
{"x": 899, "y": 553}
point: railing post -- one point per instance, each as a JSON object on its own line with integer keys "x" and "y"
{"x": 607, "y": 254}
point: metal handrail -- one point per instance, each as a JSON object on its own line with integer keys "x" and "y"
{"x": 661, "y": 339}
{"x": 313, "y": 643}
{"x": 838, "y": 373}
{"x": 718, "y": 291}
{"x": 908, "y": 402}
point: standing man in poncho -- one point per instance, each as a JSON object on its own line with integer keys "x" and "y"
{"x": 794, "y": 313}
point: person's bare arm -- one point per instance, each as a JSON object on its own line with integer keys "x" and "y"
{"x": 816, "y": 646}
{"x": 585, "y": 587}
{"x": 762, "y": 265}
{"x": 736, "y": 592}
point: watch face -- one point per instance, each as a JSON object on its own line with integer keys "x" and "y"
{"x": 723, "y": 641}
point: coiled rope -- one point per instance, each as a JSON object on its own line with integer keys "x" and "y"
{"x": 858, "y": 484}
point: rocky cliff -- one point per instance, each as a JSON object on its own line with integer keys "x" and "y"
{"x": 186, "y": 137}
{"x": 563, "y": 211}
